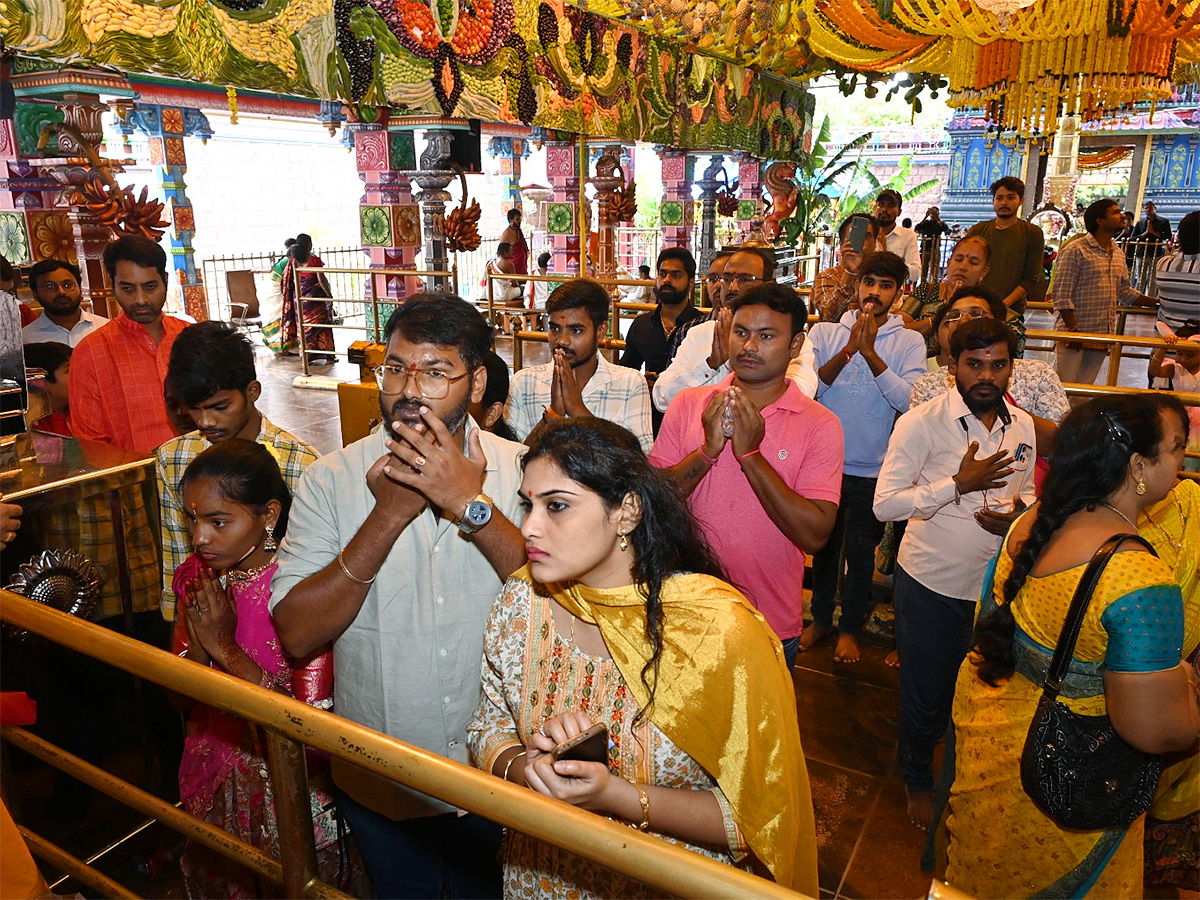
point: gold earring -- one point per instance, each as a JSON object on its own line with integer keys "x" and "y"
{"x": 1141, "y": 486}
{"x": 269, "y": 544}
{"x": 624, "y": 545}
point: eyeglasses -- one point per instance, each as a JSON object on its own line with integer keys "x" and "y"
{"x": 68, "y": 284}
{"x": 739, "y": 279}
{"x": 713, "y": 278}
{"x": 433, "y": 384}
{"x": 973, "y": 313}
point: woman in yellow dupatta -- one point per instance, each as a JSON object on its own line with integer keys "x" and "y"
{"x": 622, "y": 617}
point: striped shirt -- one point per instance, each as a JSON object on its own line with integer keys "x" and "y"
{"x": 173, "y": 457}
{"x": 1090, "y": 280}
{"x": 613, "y": 392}
{"x": 116, "y": 387}
{"x": 1179, "y": 288}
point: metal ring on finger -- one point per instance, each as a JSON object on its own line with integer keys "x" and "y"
{"x": 419, "y": 461}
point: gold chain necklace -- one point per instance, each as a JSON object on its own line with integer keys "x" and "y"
{"x": 1178, "y": 545}
{"x": 234, "y": 576}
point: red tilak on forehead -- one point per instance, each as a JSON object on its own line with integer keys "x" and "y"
{"x": 193, "y": 507}
{"x": 987, "y": 353}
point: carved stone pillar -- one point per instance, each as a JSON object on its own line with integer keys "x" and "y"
{"x": 562, "y": 213}
{"x": 676, "y": 211}
{"x": 609, "y": 176}
{"x": 432, "y": 176}
{"x": 709, "y": 182}
{"x": 389, "y": 218}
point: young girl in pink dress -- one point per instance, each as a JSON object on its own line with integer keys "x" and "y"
{"x": 237, "y": 504}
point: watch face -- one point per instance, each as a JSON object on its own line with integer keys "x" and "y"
{"x": 478, "y": 512}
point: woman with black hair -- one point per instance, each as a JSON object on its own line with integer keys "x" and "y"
{"x": 1115, "y": 457}
{"x": 237, "y": 506}
{"x": 623, "y": 617}
{"x": 316, "y": 312}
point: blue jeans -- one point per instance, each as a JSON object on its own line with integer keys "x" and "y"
{"x": 434, "y": 856}
{"x": 933, "y": 635}
{"x": 790, "y": 646}
{"x": 856, "y": 533}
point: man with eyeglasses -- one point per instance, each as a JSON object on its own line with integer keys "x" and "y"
{"x": 395, "y": 551}
{"x": 712, "y": 295}
{"x": 703, "y": 357}
{"x": 646, "y": 340}
{"x": 55, "y": 283}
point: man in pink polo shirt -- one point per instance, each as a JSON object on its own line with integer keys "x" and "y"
{"x": 760, "y": 462}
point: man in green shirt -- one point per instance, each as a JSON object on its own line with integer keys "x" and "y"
{"x": 1015, "y": 269}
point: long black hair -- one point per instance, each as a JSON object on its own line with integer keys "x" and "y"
{"x": 608, "y": 460}
{"x": 247, "y": 473}
{"x": 1090, "y": 462}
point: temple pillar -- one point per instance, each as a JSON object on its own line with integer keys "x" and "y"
{"x": 676, "y": 214}
{"x": 562, "y": 212}
{"x": 433, "y": 176}
{"x": 712, "y": 179}
{"x": 389, "y": 218}
{"x": 605, "y": 181}
{"x": 750, "y": 202}
{"x": 509, "y": 151}
{"x": 165, "y": 127}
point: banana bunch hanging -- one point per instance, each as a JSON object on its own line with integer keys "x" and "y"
{"x": 461, "y": 227}
{"x": 117, "y": 208}
{"x": 623, "y": 206}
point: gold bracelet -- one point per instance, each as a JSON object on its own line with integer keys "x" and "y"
{"x": 645, "y": 801}
{"x": 346, "y": 572}
{"x": 516, "y": 756}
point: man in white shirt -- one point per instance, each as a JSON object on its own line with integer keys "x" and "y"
{"x": 960, "y": 469}
{"x": 395, "y": 550}
{"x": 703, "y": 356}
{"x": 1179, "y": 275}
{"x": 900, "y": 240}
{"x": 55, "y": 283}
{"x": 578, "y": 380}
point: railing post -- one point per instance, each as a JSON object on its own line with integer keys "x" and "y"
{"x": 1114, "y": 362}
{"x": 518, "y": 352}
{"x": 491, "y": 298}
{"x": 289, "y": 780}
{"x": 375, "y": 307}
{"x": 298, "y": 303}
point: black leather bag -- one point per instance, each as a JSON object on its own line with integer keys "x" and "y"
{"x": 1077, "y": 769}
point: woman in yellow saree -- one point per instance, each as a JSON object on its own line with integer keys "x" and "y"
{"x": 1115, "y": 457}
{"x": 622, "y": 617}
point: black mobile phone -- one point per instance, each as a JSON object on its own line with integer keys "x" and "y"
{"x": 858, "y": 233}
{"x": 590, "y": 745}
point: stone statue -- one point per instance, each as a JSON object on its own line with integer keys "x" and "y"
{"x": 784, "y": 194}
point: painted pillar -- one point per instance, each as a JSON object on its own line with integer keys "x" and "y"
{"x": 166, "y": 127}
{"x": 676, "y": 214}
{"x": 509, "y": 151}
{"x": 562, "y": 170}
{"x": 389, "y": 218}
{"x": 750, "y": 202}
{"x": 608, "y": 178}
{"x": 1139, "y": 168}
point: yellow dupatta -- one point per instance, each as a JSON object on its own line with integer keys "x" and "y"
{"x": 724, "y": 697}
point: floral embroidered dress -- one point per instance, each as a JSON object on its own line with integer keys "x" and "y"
{"x": 532, "y": 673}
{"x": 223, "y": 776}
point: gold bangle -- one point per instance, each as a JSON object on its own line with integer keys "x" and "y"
{"x": 645, "y": 801}
{"x": 346, "y": 572}
{"x": 516, "y": 756}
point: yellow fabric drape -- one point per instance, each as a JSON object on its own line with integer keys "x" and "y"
{"x": 725, "y": 697}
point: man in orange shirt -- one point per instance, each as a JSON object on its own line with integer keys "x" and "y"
{"x": 118, "y": 370}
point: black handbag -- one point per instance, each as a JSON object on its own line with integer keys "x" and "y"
{"x": 1077, "y": 769}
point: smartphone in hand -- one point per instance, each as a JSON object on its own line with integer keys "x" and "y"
{"x": 590, "y": 745}
{"x": 857, "y": 236}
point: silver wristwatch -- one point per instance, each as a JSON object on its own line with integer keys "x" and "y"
{"x": 477, "y": 514}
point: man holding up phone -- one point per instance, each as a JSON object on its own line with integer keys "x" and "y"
{"x": 834, "y": 290}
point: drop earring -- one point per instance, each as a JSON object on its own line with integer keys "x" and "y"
{"x": 624, "y": 544}
{"x": 1141, "y": 487}
{"x": 269, "y": 544}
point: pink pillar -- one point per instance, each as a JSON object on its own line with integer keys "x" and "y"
{"x": 677, "y": 211}
{"x": 562, "y": 212}
{"x": 749, "y": 192}
{"x": 389, "y": 219}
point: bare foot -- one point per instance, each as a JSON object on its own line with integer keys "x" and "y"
{"x": 893, "y": 659}
{"x": 847, "y": 649}
{"x": 811, "y": 635}
{"x": 920, "y": 808}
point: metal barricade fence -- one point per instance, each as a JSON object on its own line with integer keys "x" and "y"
{"x": 349, "y": 283}
{"x": 290, "y": 726}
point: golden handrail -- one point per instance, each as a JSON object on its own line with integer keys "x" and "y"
{"x": 650, "y": 860}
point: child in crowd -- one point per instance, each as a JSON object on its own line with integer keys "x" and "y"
{"x": 1180, "y": 374}
{"x": 237, "y": 505}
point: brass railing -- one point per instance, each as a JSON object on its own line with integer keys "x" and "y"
{"x": 291, "y": 724}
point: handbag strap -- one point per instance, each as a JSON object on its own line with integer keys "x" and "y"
{"x": 1079, "y": 604}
